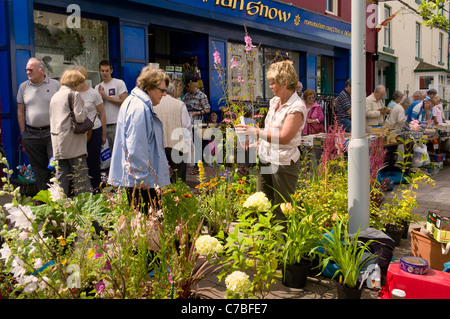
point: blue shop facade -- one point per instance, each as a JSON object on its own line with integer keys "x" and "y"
{"x": 177, "y": 35}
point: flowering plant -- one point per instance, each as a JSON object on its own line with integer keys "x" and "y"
{"x": 238, "y": 284}
{"x": 301, "y": 233}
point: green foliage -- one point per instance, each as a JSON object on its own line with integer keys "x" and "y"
{"x": 344, "y": 250}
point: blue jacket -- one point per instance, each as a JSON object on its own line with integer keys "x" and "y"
{"x": 138, "y": 155}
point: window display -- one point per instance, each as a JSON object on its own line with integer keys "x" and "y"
{"x": 62, "y": 47}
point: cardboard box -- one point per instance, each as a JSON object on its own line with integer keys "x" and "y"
{"x": 429, "y": 249}
{"x": 436, "y": 165}
{"x": 439, "y": 227}
{"x": 437, "y": 157}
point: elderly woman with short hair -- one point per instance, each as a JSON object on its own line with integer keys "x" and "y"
{"x": 69, "y": 148}
{"x": 139, "y": 162}
{"x": 279, "y": 140}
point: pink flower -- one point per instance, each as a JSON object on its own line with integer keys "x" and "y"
{"x": 234, "y": 63}
{"x": 248, "y": 44}
{"x": 217, "y": 59}
{"x": 100, "y": 287}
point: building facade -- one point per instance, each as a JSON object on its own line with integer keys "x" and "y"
{"x": 412, "y": 56}
{"x": 178, "y": 35}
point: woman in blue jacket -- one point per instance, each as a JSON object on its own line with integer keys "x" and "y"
{"x": 138, "y": 161}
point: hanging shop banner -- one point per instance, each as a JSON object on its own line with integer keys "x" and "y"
{"x": 278, "y": 15}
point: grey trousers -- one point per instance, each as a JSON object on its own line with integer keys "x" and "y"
{"x": 278, "y": 185}
{"x": 73, "y": 176}
{"x": 38, "y": 148}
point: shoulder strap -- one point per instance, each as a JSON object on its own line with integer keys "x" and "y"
{"x": 70, "y": 97}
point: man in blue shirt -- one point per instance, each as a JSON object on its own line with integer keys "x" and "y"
{"x": 418, "y": 98}
{"x": 344, "y": 107}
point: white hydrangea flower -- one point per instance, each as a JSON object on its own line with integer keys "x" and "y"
{"x": 238, "y": 282}
{"x": 206, "y": 245}
{"x": 258, "y": 201}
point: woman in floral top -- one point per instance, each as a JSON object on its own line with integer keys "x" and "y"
{"x": 279, "y": 140}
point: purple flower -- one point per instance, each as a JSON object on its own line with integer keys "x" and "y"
{"x": 100, "y": 287}
{"x": 217, "y": 59}
{"x": 248, "y": 44}
{"x": 234, "y": 63}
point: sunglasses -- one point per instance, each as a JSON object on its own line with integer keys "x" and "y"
{"x": 162, "y": 90}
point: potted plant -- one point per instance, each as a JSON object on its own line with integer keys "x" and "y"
{"x": 297, "y": 244}
{"x": 347, "y": 251}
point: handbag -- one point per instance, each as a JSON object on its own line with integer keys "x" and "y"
{"x": 315, "y": 128}
{"x": 78, "y": 128}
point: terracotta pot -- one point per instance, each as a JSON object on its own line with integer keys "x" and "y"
{"x": 429, "y": 249}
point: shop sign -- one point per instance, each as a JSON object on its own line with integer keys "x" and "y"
{"x": 275, "y": 14}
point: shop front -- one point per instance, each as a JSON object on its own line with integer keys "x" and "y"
{"x": 177, "y": 35}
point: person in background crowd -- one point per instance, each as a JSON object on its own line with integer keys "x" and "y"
{"x": 417, "y": 98}
{"x": 423, "y": 112}
{"x": 396, "y": 98}
{"x": 113, "y": 92}
{"x": 432, "y": 93}
{"x": 93, "y": 103}
{"x": 375, "y": 110}
{"x": 279, "y": 140}
{"x": 138, "y": 161}
{"x": 299, "y": 88}
{"x": 197, "y": 105}
{"x": 315, "y": 117}
{"x": 69, "y": 149}
{"x": 33, "y": 116}
{"x": 177, "y": 143}
{"x": 397, "y": 117}
{"x": 344, "y": 107}
{"x": 438, "y": 110}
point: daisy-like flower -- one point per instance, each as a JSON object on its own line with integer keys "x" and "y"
{"x": 238, "y": 282}
{"x": 258, "y": 201}
{"x": 21, "y": 216}
{"x": 206, "y": 245}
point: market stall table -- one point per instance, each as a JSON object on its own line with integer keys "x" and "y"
{"x": 433, "y": 285}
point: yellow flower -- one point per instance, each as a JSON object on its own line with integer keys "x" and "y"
{"x": 187, "y": 195}
{"x": 62, "y": 241}
{"x": 64, "y": 262}
{"x": 201, "y": 172}
{"x": 90, "y": 253}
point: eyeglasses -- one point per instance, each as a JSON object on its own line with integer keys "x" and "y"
{"x": 162, "y": 90}
{"x": 29, "y": 70}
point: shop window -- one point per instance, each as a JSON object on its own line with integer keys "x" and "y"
{"x": 273, "y": 55}
{"x": 425, "y": 82}
{"x": 245, "y": 73}
{"x": 61, "y": 47}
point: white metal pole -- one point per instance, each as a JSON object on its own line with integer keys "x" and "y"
{"x": 358, "y": 151}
